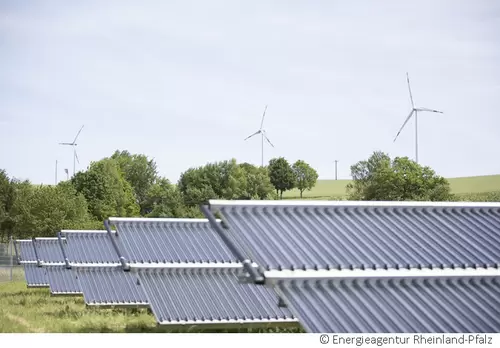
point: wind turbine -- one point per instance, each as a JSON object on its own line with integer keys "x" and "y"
{"x": 75, "y": 156}
{"x": 414, "y": 110}
{"x": 263, "y": 135}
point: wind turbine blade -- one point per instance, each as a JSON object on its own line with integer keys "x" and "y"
{"x": 404, "y": 124}
{"x": 258, "y": 132}
{"x": 263, "y": 115}
{"x": 65, "y": 144}
{"x": 269, "y": 141}
{"x": 429, "y": 110}
{"x": 409, "y": 89}
{"x": 77, "y": 134}
{"x": 76, "y": 156}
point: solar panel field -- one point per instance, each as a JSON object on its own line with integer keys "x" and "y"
{"x": 185, "y": 274}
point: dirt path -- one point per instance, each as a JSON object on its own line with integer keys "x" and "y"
{"x": 21, "y": 321}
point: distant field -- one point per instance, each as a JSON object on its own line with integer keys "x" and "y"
{"x": 328, "y": 189}
{"x": 475, "y": 184}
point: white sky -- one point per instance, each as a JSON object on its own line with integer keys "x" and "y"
{"x": 185, "y": 82}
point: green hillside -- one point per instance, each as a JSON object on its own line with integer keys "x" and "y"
{"x": 326, "y": 189}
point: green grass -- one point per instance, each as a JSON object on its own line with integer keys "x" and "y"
{"x": 336, "y": 189}
{"x": 24, "y": 310}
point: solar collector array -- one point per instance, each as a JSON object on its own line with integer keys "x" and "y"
{"x": 340, "y": 267}
{"x": 96, "y": 263}
{"x": 36, "y": 277}
{"x": 329, "y": 239}
{"x": 185, "y": 269}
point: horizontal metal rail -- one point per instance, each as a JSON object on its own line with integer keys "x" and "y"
{"x": 186, "y": 265}
{"x": 173, "y": 220}
{"x": 95, "y": 265}
{"x": 215, "y": 203}
{"x": 273, "y": 277}
{"x": 84, "y": 231}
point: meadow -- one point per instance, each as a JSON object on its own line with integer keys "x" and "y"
{"x": 336, "y": 189}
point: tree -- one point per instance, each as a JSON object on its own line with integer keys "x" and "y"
{"x": 281, "y": 175}
{"x": 381, "y": 179}
{"x": 218, "y": 180}
{"x": 139, "y": 171}
{"x": 44, "y": 210}
{"x": 305, "y": 176}
{"x": 106, "y": 190}
{"x": 258, "y": 183}
{"x": 7, "y": 198}
{"x": 164, "y": 200}
{"x": 195, "y": 187}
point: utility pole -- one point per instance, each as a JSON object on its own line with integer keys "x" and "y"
{"x": 56, "y": 172}
{"x": 336, "y": 161}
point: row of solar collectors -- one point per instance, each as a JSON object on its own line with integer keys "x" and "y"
{"x": 373, "y": 267}
{"x": 179, "y": 268}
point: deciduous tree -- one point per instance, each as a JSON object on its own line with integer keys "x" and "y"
{"x": 305, "y": 176}
{"x": 218, "y": 180}
{"x": 382, "y": 179}
{"x": 140, "y": 172}
{"x": 164, "y": 200}
{"x": 7, "y": 198}
{"x": 106, "y": 190}
{"x": 258, "y": 183}
{"x": 44, "y": 210}
{"x": 281, "y": 175}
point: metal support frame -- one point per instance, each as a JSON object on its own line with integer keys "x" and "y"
{"x": 281, "y": 302}
{"x": 123, "y": 261}
{"x": 10, "y": 250}
{"x": 18, "y": 257}
{"x": 216, "y": 204}
{"x": 247, "y": 264}
{"x": 272, "y": 278}
{"x": 38, "y": 261}
{"x": 96, "y": 265}
{"x": 66, "y": 260}
{"x": 187, "y": 266}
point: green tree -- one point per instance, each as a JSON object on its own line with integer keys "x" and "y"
{"x": 164, "y": 200}
{"x": 7, "y": 198}
{"x": 44, "y": 210}
{"x": 139, "y": 171}
{"x": 195, "y": 187}
{"x": 106, "y": 190}
{"x": 281, "y": 175}
{"x": 305, "y": 176}
{"x": 258, "y": 183}
{"x": 381, "y": 179}
{"x": 218, "y": 180}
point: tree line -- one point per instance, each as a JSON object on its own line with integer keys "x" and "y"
{"x": 129, "y": 185}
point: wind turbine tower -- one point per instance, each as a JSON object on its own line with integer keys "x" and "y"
{"x": 414, "y": 110}
{"x": 75, "y": 156}
{"x": 263, "y": 136}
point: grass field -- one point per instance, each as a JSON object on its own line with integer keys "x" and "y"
{"x": 24, "y": 310}
{"x": 331, "y": 189}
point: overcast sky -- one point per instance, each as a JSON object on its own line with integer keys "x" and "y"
{"x": 184, "y": 82}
